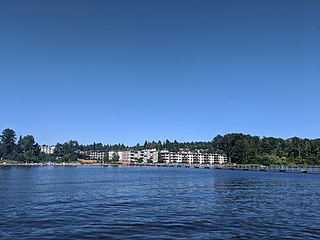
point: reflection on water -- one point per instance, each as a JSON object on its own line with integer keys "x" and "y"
{"x": 161, "y": 203}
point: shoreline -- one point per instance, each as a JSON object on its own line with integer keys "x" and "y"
{"x": 281, "y": 169}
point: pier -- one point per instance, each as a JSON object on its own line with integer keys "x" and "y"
{"x": 280, "y": 169}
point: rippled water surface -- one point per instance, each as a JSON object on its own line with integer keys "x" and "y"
{"x": 156, "y": 203}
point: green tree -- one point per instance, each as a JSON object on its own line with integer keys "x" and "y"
{"x": 29, "y": 150}
{"x": 140, "y": 160}
{"x": 67, "y": 151}
{"x": 8, "y": 146}
{"x": 160, "y": 158}
{"x": 115, "y": 157}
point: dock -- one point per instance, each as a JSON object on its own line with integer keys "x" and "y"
{"x": 280, "y": 169}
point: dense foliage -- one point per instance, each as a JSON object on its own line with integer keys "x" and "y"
{"x": 26, "y": 149}
{"x": 242, "y": 148}
{"x": 239, "y": 148}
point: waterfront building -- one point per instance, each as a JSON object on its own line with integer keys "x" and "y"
{"x": 165, "y": 155}
{"x": 134, "y": 156}
{"x": 123, "y": 156}
{"x": 97, "y": 155}
{"x": 148, "y": 155}
{"x": 47, "y": 149}
{"x": 188, "y": 157}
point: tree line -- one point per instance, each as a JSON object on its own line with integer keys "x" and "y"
{"x": 239, "y": 148}
{"x": 23, "y": 149}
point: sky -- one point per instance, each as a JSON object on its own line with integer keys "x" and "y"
{"x": 127, "y": 71}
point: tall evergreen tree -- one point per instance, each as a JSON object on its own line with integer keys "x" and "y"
{"x": 8, "y": 146}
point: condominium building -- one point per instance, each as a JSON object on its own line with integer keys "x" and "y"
{"x": 148, "y": 155}
{"x": 47, "y": 149}
{"x": 188, "y": 157}
{"x": 134, "y": 156}
{"x": 98, "y": 155}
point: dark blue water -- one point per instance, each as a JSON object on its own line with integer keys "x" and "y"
{"x": 156, "y": 203}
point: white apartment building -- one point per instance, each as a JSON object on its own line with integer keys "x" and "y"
{"x": 148, "y": 155}
{"x": 133, "y": 156}
{"x": 97, "y": 155}
{"x": 124, "y": 156}
{"x": 188, "y": 157}
{"x": 47, "y": 149}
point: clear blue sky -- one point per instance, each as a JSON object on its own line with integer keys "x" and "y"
{"x": 129, "y": 71}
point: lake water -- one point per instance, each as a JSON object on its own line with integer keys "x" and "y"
{"x": 156, "y": 203}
